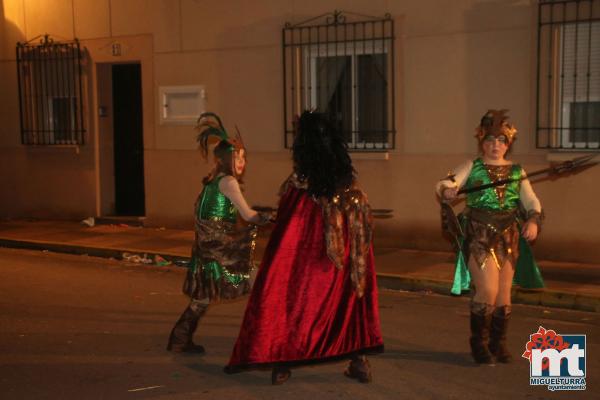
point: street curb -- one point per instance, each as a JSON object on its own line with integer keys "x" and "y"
{"x": 538, "y": 297}
{"x": 554, "y": 298}
{"x": 101, "y": 252}
{"x": 413, "y": 284}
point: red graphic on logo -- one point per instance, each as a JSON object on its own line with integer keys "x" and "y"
{"x": 544, "y": 339}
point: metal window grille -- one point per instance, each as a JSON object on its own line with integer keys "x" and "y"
{"x": 568, "y": 95}
{"x": 50, "y": 92}
{"x": 344, "y": 69}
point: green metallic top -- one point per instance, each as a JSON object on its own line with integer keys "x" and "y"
{"x": 503, "y": 198}
{"x": 214, "y": 204}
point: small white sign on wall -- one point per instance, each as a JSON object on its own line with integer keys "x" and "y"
{"x": 181, "y": 105}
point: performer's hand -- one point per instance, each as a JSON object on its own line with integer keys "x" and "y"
{"x": 529, "y": 231}
{"x": 449, "y": 194}
{"x": 264, "y": 218}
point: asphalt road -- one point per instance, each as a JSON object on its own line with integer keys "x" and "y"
{"x": 77, "y": 327}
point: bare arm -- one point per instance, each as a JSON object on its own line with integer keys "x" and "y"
{"x": 230, "y": 187}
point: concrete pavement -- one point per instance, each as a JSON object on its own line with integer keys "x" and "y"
{"x": 568, "y": 285}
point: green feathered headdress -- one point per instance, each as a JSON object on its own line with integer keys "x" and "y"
{"x": 209, "y": 126}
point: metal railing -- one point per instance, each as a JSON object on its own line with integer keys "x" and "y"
{"x": 568, "y": 75}
{"x": 345, "y": 69}
{"x": 50, "y": 92}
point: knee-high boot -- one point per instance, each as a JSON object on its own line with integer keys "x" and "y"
{"x": 481, "y": 316}
{"x": 498, "y": 347}
{"x": 180, "y": 340}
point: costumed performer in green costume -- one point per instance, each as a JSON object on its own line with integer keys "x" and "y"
{"x": 221, "y": 260}
{"x": 495, "y": 227}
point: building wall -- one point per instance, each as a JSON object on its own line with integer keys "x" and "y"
{"x": 455, "y": 59}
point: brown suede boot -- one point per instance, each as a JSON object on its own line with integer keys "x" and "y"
{"x": 481, "y": 317}
{"x": 498, "y": 347}
{"x": 180, "y": 340}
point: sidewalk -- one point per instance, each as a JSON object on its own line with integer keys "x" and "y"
{"x": 568, "y": 285}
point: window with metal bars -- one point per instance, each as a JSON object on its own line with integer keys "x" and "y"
{"x": 346, "y": 70}
{"x": 568, "y": 96}
{"x": 50, "y": 93}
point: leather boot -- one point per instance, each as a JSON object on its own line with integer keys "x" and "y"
{"x": 359, "y": 369}
{"x": 480, "y": 333}
{"x": 280, "y": 374}
{"x": 498, "y": 347}
{"x": 180, "y": 340}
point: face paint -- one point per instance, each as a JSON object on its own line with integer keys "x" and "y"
{"x": 494, "y": 147}
{"x": 500, "y": 138}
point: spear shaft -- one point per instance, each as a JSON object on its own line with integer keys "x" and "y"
{"x": 568, "y": 166}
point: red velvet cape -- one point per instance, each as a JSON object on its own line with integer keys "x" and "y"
{"x": 302, "y": 308}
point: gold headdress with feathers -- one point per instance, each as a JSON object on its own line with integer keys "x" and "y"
{"x": 495, "y": 123}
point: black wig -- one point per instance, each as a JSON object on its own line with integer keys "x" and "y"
{"x": 321, "y": 156}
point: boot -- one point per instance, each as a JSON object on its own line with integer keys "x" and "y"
{"x": 280, "y": 374}
{"x": 480, "y": 333}
{"x": 180, "y": 340}
{"x": 498, "y": 347}
{"x": 359, "y": 369}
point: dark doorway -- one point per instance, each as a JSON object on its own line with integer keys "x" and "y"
{"x": 128, "y": 139}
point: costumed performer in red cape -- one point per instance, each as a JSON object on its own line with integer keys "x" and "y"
{"x": 315, "y": 294}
